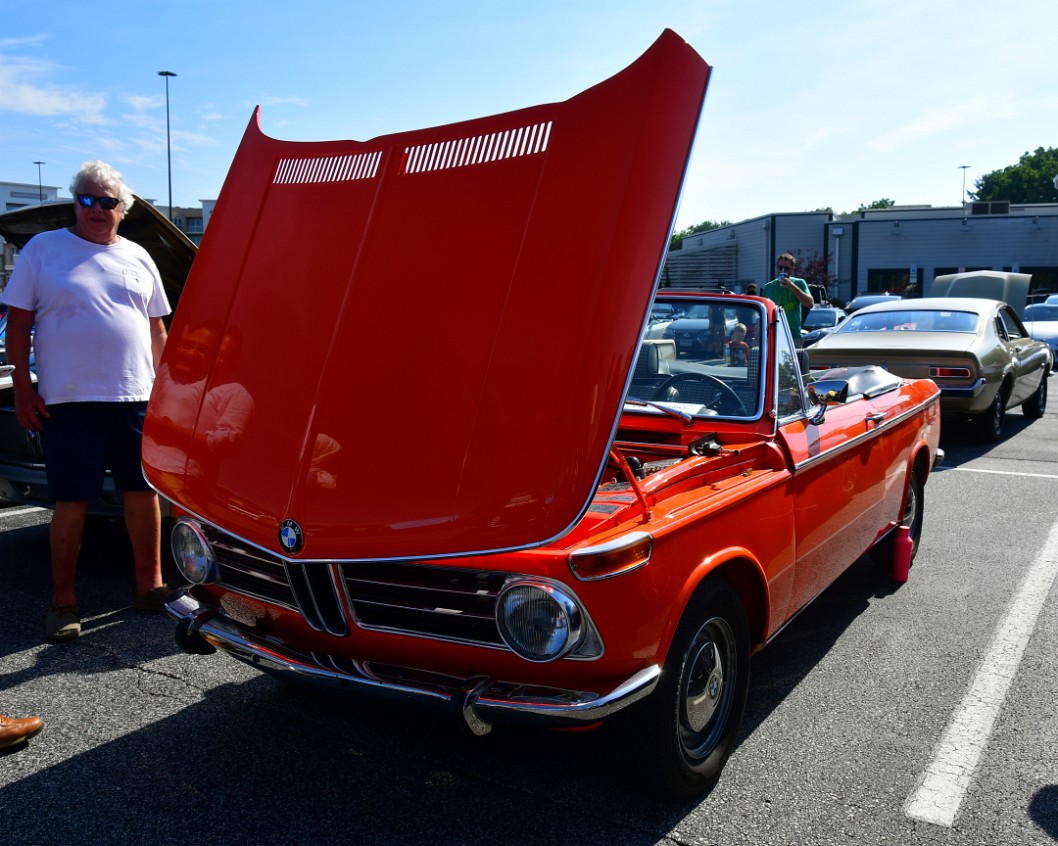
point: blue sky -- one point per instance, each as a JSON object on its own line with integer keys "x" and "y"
{"x": 811, "y": 104}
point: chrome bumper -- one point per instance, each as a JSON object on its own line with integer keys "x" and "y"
{"x": 969, "y": 392}
{"x": 478, "y": 702}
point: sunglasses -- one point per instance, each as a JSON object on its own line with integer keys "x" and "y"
{"x": 89, "y": 200}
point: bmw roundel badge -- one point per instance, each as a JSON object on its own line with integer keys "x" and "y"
{"x": 290, "y": 537}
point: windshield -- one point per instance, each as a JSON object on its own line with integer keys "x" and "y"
{"x": 705, "y": 362}
{"x": 911, "y": 320}
{"x": 1041, "y": 312}
{"x": 821, "y": 318}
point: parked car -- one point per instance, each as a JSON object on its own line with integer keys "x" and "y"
{"x": 661, "y": 316}
{"x": 1002, "y": 285}
{"x": 864, "y": 300}
{"x": 1041, "y": 320}
{"x": 819, "y": 294}
{"x": 22, "y": 473}
{"x": 520, "y": 525}
{"x": 977, "y": 351}
{"x": 3, "y": 342}
{"x": 702, "y": 330}
{"x": 1052, "y": 299}
{"x": 820, "y": 322}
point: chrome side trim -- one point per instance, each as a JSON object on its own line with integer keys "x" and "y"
{"x": 478, "y": 702}
{"x": 854, "y": 443}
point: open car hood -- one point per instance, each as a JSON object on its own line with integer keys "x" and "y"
{"x": 170, "y": 248}
{"x": 418, "y": 345}
{"x": 1005, "y": 286}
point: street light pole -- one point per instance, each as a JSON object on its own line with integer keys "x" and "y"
{"x": 962, "y": 199}
{"x": 40, "y": 187}
{"x": 168, "y": 144}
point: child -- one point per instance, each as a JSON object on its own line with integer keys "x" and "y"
{"x": 738, "y": 346}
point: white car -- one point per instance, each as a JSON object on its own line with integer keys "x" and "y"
{"x": 1041, "y": 319}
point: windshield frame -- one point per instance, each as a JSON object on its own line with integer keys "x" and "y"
{"x": 681, "y": 353}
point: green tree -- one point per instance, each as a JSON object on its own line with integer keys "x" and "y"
{"x": 1031, "y": 180}
{"x": 676, "y": 241}
{"x": 884, "y": 203}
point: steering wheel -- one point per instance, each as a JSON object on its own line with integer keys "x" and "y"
{"x": 725, "y": 400}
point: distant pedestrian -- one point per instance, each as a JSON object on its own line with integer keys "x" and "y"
{"x": 97, "y": 302}
{"x": 790, "y": 293}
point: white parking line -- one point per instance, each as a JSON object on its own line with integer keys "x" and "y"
{"x": 1003, "y": 472}
{"x": 946, "y": 780}
{"x": 15, "y": 512}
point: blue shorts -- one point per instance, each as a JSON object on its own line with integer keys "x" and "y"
{"x": 82, "y": 439}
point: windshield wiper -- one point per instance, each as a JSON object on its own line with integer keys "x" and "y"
{"x": 672, "y": 412}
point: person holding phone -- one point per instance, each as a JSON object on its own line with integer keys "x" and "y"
{"x": 790, "y": 293}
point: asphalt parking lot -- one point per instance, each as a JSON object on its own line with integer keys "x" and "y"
{"x": 848, "y": 712}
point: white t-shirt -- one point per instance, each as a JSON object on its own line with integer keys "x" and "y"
{"x": 94, "y": 305}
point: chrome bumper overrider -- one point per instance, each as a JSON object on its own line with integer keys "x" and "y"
{"x": 479, "y": 701}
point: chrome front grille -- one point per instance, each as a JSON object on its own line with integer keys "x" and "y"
{"x": 438, "y": 602}
{"x": 441, "y": 602}
{"x": 305, "y": 586}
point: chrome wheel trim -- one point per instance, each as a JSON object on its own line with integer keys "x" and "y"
{"x": 998, "y": 412}
{"x": 911, "y": 509}
{"x": 705, "y": 692}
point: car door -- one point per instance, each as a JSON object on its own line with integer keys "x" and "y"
{"x": 841, "y": 478}
{"x": 1027, "y": 358}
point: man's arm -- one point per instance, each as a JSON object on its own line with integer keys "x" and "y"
{"x": 158, "y": 338}
{"x": 29, "y": 407}
{"x": 799, "y": 288}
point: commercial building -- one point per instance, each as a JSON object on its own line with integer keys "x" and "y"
{"x": 897, "y": 249}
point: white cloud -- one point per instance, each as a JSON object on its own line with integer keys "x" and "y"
{"x": 941, "y": 120}
{"x": 20, "y": 93}
{"x": 142, "y": 103}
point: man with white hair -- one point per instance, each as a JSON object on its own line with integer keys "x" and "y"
{"x": 97, "y": 301}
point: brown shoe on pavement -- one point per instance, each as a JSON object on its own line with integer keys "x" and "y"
{"x": 62, "y": 622}
{"x": 152, "y": 600}
{"x": 15, "y": 730}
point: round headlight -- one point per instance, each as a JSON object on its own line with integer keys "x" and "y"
{"x": 192, "y": 552}
{"x": 537, "y": 620}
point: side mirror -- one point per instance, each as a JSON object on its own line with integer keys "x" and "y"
{"x": 827, "y": 392}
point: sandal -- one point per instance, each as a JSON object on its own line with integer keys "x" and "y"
{"x": 152, "y": 600}
{"x": 62, "y": 623}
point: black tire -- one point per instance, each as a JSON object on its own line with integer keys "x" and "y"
{"x": 914, "y": 510}
{"x": 990, "y": 423}
{"x": 693, "y": 716}
{"x": 1036, "y": 405}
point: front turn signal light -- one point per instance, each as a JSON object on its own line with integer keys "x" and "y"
{"x": 613, "y": 558}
